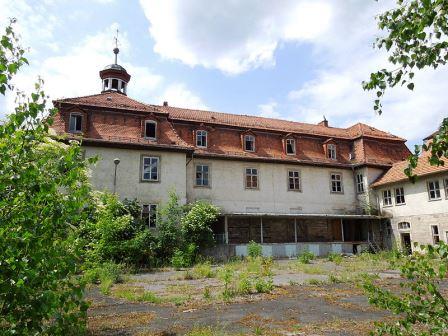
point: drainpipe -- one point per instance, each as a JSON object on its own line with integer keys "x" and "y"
{"x": 116, "y": 162}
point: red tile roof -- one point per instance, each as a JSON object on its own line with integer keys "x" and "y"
{"x": 176, "y": 127}
{"x": 396, "y": 173}
{"x": 113, "y": 100}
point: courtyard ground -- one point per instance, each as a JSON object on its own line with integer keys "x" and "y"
{"x": 251, "y": 297}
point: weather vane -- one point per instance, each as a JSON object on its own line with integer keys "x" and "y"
{"x": 116, "y": 50}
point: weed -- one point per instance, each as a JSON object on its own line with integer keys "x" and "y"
{"x": 244, "y": 284}
{"x": 305, "y": 257}
{"x": 254, "y": 249}
{"x": 207, "y": 293}
{"x": 335, "y": 257}
{"x": 264, "y": 286}
{"x": 316, "y": 282}
{"x": 204, "y": 270}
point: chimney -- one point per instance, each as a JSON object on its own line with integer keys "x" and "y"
{"x": 324, "y": 122}
{"x": 165, "y": 103}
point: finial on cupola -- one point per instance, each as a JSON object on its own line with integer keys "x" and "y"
{"x": 114, "y": 77}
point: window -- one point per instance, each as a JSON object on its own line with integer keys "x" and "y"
{"x": 150, "y": 171}
{"x": 249, "y": 143}
{"x": 115, "y": 84}
{"x": 359, "y": 183}
{"x": 290, "y": 146}
{"x": 445, "y": 182}
{"x": 149, "y": 215}
{"x": 404, "y": 226}
{"x": 294, "y": 180}
{"x": 387, "y": 198}
{"x": 435, "y": 234}
{"x": 399, "y": 196}
{"x": 202, "y": 176}
{"x": 331, "y": 151}
{"x": 434, "y": 190}
{"x": 75, "y": 123}
{"x": 251, "y": 178}
{"x": 201, "y": 138}
{"x": 150, "y": 129}
{"x": 336, "y": 183}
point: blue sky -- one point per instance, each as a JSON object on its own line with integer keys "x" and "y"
{"x": 292, "y": 59}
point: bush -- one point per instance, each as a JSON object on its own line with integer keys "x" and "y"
{"x": 421, "y": 308}
{"x": 244, "y": 285}
{"x": 43, "y": 190}
{"x": 184, "y": 258}
{"x": 254, "y": 249}
{"x": 264, "y": 286}
{"x": 106, "y": 275}
{"x": 306, "y": 257}
{"x": 196, "y": 224}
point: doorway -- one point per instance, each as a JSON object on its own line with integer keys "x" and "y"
{"x": 406, "y": 242}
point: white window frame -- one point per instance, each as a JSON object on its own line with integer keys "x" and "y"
{"x": 435, "y": 235}
{"x": 387, "y": 198}
{"x": 250, "y": 138}
{"x": 207, "y": 173}
{"x": 155, "y": 129}
{"x": 150, "y": 216}
{"x": 445, "y": 184}
{"x": 293, "y": 146}
{"x": 249, "y": 172}
{"x": 201, "y": 135}
{"x": 151, "y": 160}
{"x": 434, "y": 187}
{"x": 360, "y": 183}
{"x": 75, "y": 114}
{"x": 295, "y": 178}
{"x": 332, "y": 151}
{"x": 334, "y": 182}
{"x": 399, "y": 194}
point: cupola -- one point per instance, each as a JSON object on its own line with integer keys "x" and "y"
{"x": 114, "y": 77}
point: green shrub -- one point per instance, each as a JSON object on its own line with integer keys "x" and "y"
{"x": 335, "y": 257}
{"x": 264, "y": 286}
{"x": 185, "y": 258}
{"x": 196, "y": 224}
{"x": 254, "y": 249}
{"x": 306, "y": 257}
{"x": 204, "y": 270}
{"x": 227, "y": 274}
{"x": 244, "y": 284}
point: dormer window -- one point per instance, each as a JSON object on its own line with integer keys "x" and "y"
{"x": 201, "y": 139}
{"x": 249, "y": 143}
{"x": 150, "y": 129}
{"x": 331, "y": 151}
{"x": 290, "y": 146}
{"x": 75, "y": 123}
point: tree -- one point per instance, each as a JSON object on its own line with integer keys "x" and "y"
{"x": 417, "y": 38}
{"x": 420, "y": 307}
{"x": 43, "y": 190}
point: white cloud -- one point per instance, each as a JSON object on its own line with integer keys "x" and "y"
{"x": 232, "y": 36}
{"x": 179, "y": 95}
{"x": 269, "y": 110}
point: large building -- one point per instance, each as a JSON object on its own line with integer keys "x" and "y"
{"x": 288, "y": 185}
{"x": 418, "y": 211}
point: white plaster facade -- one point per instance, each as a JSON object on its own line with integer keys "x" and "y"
{"x": 419, "y": 210}
{"x": 227, "y": 189}
{"x": 172, "y": 174}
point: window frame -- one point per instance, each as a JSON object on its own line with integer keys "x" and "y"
{"x": 208, "y": 185}
{"x": 155, "y": 129}
{"x": 407, "y": 228}
{"x": 253, "y": 143}
{"x": 150, "y": 214}
{"x": 360, "y": 184}
{"x": 202, "y": 135}
{"x": 293, "y": 141}
{"x": 142, "y": 168}
{"x": 401, "y": 195}
{"x": 390, "y": 197}
{"x": 445, "y": 186}
{"x": 332, "y": 148}
{"x": 434, "y": 235}
{"x": 257, "y": 176}
{"x": 340, "y": 182}
{"x": 75, "y": 114}
{"x": 435, "y": 190}
{"x": 298, "y": 178}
